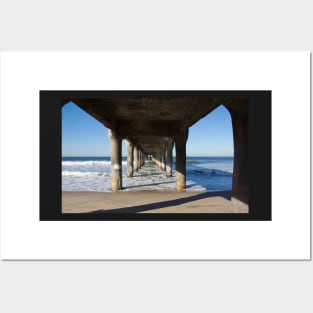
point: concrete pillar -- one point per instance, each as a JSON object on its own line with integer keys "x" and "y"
{"x": 116, "y": 160}
{"x": 155, "y": 159}
{"x": 130, "y": 158}
{"x": 240, "y": 188}
{"x": 141, "y": 158}
{"x": 136, "y": 155}
{"x": 163, "y": 159}
{"x": 158, "y": 158}
{"x": 169, "y": 158}
{"x": 180, "y": 146}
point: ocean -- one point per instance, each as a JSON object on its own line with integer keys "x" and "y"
{"x": 94, "y": 174}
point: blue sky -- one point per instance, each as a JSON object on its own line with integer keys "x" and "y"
{"x": 82, "y": 135}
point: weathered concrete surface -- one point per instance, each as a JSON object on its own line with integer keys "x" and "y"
{"x": 180, "y": 144}
{"x": 116, "y": 160}
{"x": 136, "y": 158}
{"x": 130, "y": 158}
{"x": 148, "y": 117}
{"x": 169, "y": 158}
{"x": 240, "y": 190}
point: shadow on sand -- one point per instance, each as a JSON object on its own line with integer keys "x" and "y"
{"x": 155, "y": 184}
{"x": 145, "y": 185}
{"x": 164, "y": 204}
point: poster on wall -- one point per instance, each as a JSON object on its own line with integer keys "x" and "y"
{"x": 155, "y": 155}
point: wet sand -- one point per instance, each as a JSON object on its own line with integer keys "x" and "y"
{"x": 146, "y": 202}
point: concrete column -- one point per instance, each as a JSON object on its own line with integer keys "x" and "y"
{"x": 162, "y": 159}
{"x": 130, "y": 158}
{"x": 158, "y": 159}
{"x": 136, "y": 165}
{"x": 180, "y": 146}
{"x": 116, "y": 160}
{"x": 154, "y": 159}
{"x": 140, "y": 158}
{"x": 169, "y": 158}
{"x": 240, "y": 188}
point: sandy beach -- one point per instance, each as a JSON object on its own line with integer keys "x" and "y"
{"x": 146, "y": 201}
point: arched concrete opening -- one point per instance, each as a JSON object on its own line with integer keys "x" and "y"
{"x": 150, "y": 119}
{"x": 77, "y": 121}
{"x": 210, "y": 151}
{"x": 83, "y": 165}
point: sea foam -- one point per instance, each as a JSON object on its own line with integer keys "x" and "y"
{"x": 203, "y": 174}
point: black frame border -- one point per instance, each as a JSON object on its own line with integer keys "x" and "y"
{"x": 260, "y": 156}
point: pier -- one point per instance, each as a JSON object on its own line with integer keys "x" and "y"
{"x": 152, "y": 128}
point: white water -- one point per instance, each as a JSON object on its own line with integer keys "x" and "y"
{"x": 96, "y": 176}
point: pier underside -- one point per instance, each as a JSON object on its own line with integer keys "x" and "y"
{"x": 153, "y": 126}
